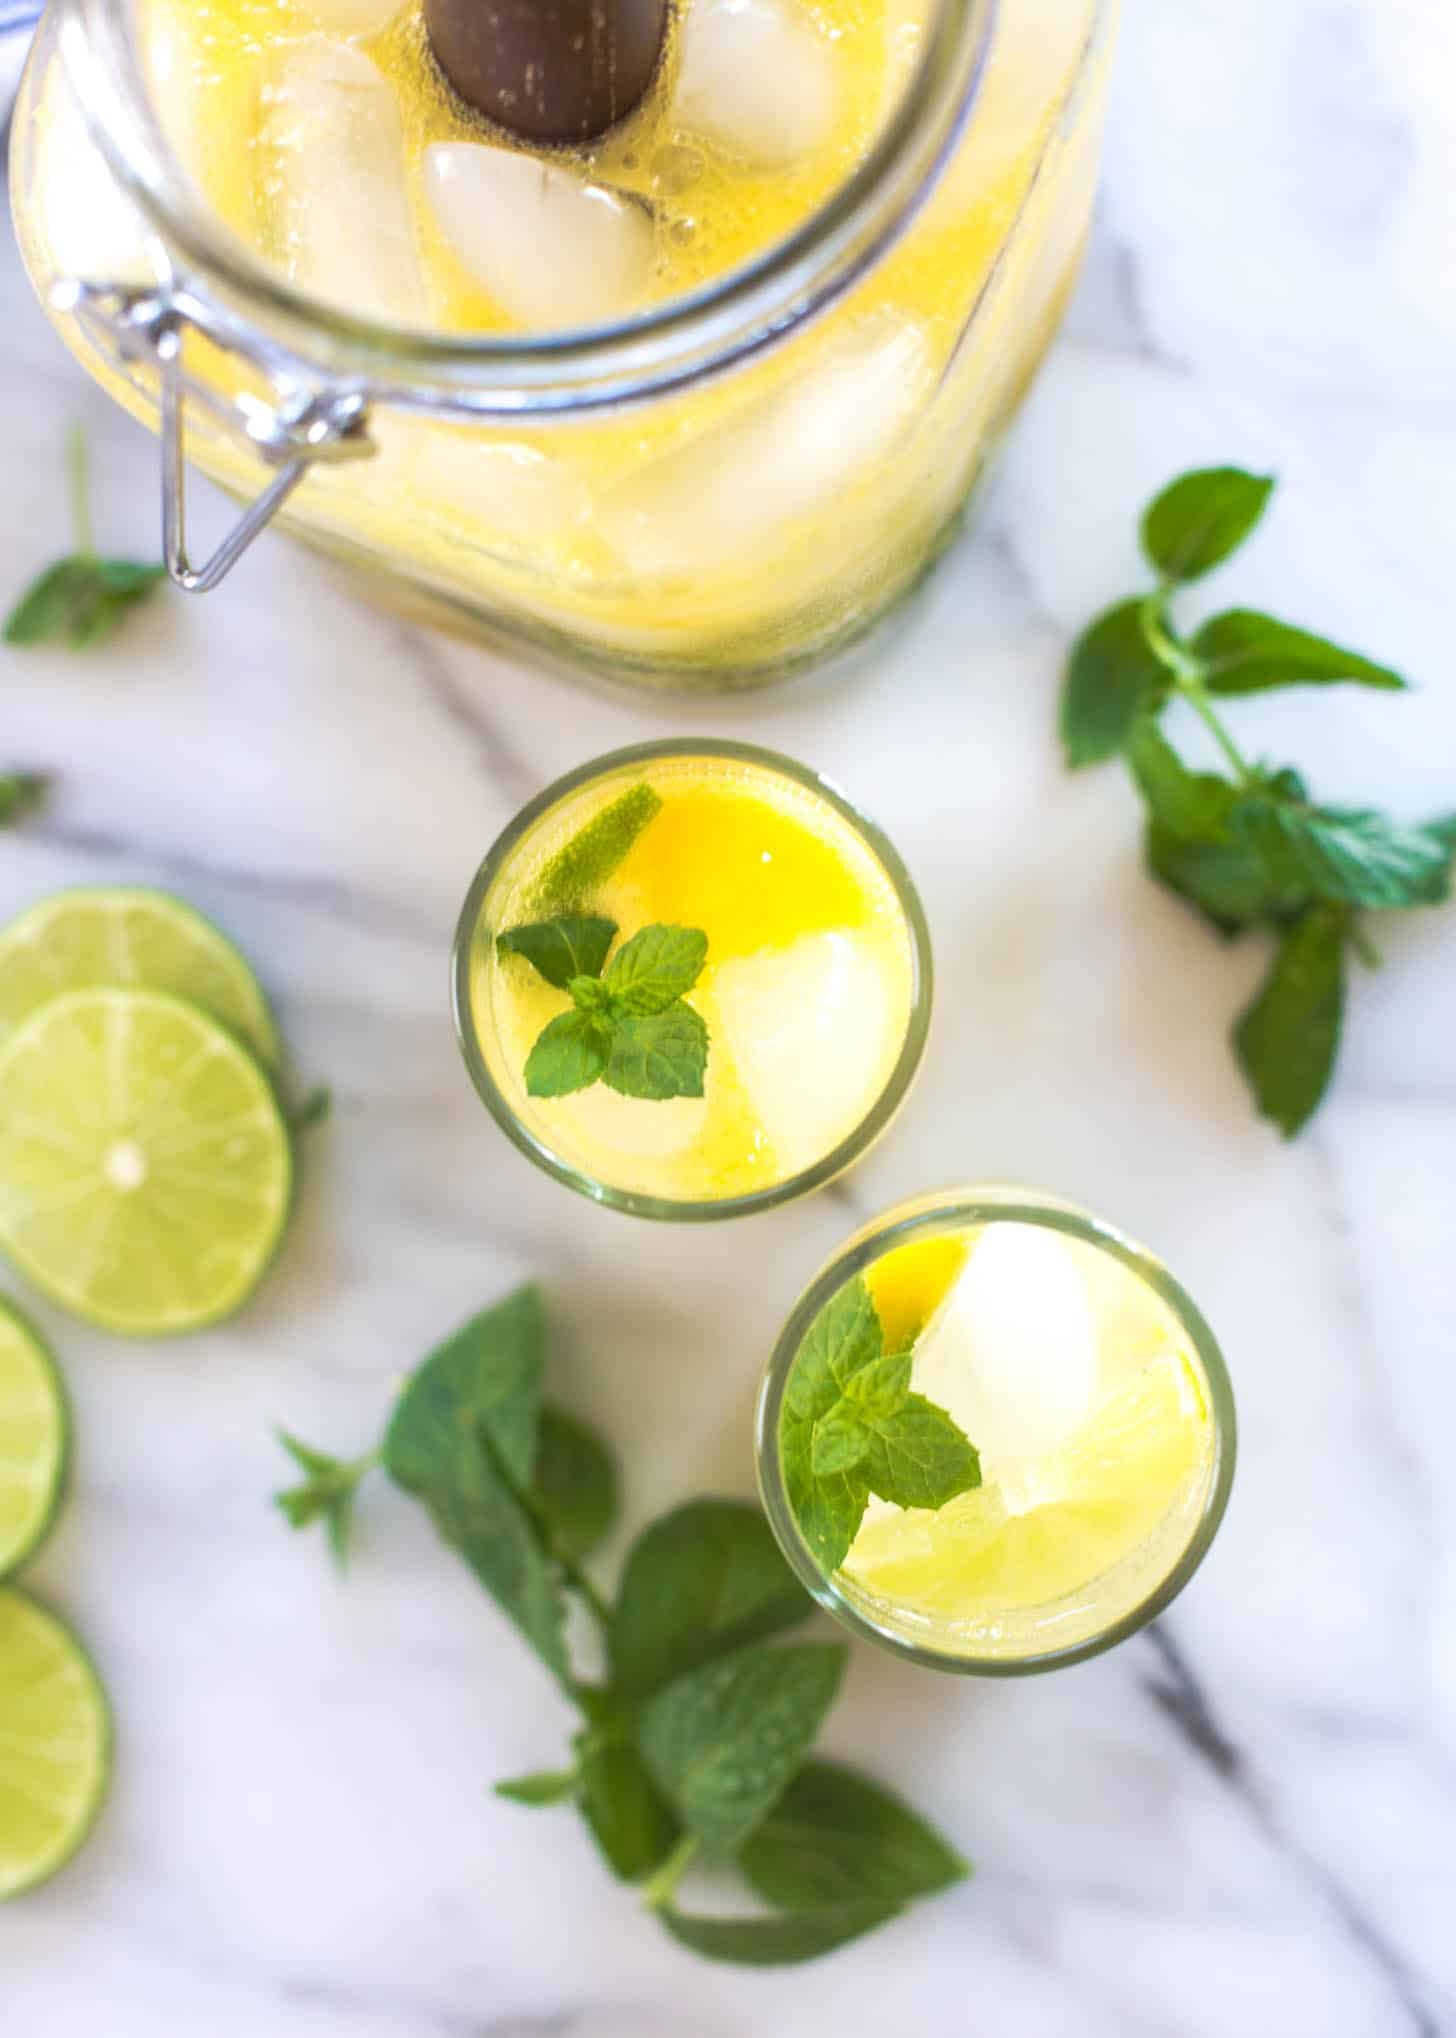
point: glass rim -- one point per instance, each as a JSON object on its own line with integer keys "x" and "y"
{"x": 657, "y": 349}
{"x": 955, "y": 1209}
{"x": 689, "y": 1210}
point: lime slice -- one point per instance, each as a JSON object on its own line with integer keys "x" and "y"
{"x": 1139, "y": 1455}
{"x": 55, "y": 1744}
{"x": 145, "y": 1166}
{"x": 585, "y": 863}
{"x": 129, "y": 937}
{"x": 33, "y": 1435}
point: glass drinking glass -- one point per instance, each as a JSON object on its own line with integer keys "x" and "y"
{"x": 709, "y": 492}
{"x": 816, "y": 991}
{"x": 1099, "y": 1399}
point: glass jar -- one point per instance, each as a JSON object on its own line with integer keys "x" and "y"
{"x": 709, "y": 493}
{"x": 957, "y": 1605}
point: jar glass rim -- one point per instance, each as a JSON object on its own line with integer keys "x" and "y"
{"x": 657, "y": 349}
{"x": 955, "y": 1210}
{"x": 674, "y": 1209}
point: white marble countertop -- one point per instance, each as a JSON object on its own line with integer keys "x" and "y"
{"x": 1240, "y": 1823}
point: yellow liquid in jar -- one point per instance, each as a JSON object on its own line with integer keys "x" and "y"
{"x": 741, "y": 522}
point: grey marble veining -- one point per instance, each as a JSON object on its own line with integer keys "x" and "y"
{"x": 1240, "y": 1822}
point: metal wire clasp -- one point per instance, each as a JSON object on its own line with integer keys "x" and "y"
{"x": 308, "y": 420}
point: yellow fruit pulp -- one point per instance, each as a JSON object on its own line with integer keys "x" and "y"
{"x": 760, "y": 864}
{"x": 909, "y": 1283}
{"x": 1093, "y": 1527}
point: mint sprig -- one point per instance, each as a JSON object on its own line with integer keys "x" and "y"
{"x": 21, "y": 792}
{"x": 83, "y": 598}
{"x": 851, "y": 1426}
{"x": 1248, "y": 846}
{"x": 697, "y": 1742}
{"x": 630, "y": 1025}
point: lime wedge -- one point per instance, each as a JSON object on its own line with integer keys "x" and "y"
{"x": 55, "y": 1744}
{"x": 589, "y": 858}
{"x": 145, "y": 1166}
{"x": 33, "y": 1435}
{"x": 129, "y": 937}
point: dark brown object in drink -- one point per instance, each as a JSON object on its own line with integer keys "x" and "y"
{"x": 549, "y": 70}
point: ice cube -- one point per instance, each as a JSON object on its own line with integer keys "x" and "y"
{"x": 511, "y": 490}
{"x": 552, "y": 249}
{"x": 334, "y": 184}
{"x": 93, "y": 229}
{"x": 352, "y": 17}
{"x": 755, "y": 78}
{"x": 1012, "y": 1351}
{"x": 727, "y": 495}
{"x": 813, "y": 1031}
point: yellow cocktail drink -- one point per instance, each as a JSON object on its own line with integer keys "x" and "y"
{"x": 996, "y": 1435}
{"x": 804, "y": 977}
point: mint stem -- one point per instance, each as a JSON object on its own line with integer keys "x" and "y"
{"x": 78, "y": 487}
{"x": 661, "y": 1887}
{"x": 1192, "y": 689}
{"x": 571, "y": 1572}
{"x": 1189, "y": 674}
{"x": 582, "y": 1586}
{"x": 1365, "y": 948}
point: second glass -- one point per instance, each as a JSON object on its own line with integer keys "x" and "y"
{"x": 995, "y": 1436}
{"x": 800, "y": 966}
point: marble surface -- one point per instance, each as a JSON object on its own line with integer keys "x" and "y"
{"x": 1241, "y": 1822}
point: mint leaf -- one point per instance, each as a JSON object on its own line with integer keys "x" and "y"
{"x": 592, "y": 855}
{"x": 1224, "y": 878}
{"x": 1198, "y": 520}
{"x": 1112, "y": 677}
{"x": 20, "y": 793}
{"x": 44, "y": 610}
{"x": 327, "y": 1493}
{"x": 841, "y": 1441}
{"x": 880, "y": 1387}
{"x": 1243, "y": 651}
{"x": 1194, "y": 847}
{"x": 723, "y": 1741}
{"x": 1287, "y": 1040}
{"x": 575, "y": 946}
{"x": 658, "y": 1056}
{"x": 463, "y": 1442}
{"x": 79, "y": 601}
{"x": 630, "y": 1028}
{"x": 835, "y": 1837}
{"x": 1352, "y": 855}
{"x": 571, "y": 1053}
{"x": 1193, "y": 804}
{"x": 918, "y": 1455}
{"x": 849, "y": 1426}
{"x": 656, "y": 968}
{"x": 574, "y": 1484}
{"x": 782, "y": 1941}
{"x": 484, "y": 1378}
{"x": 844, "y": 1338}
{"x": 699, "y": 1583}
{"x": 630, "y": 1819}
{"x": 590, "y": 994}
{"x": 542, "y": 1787}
